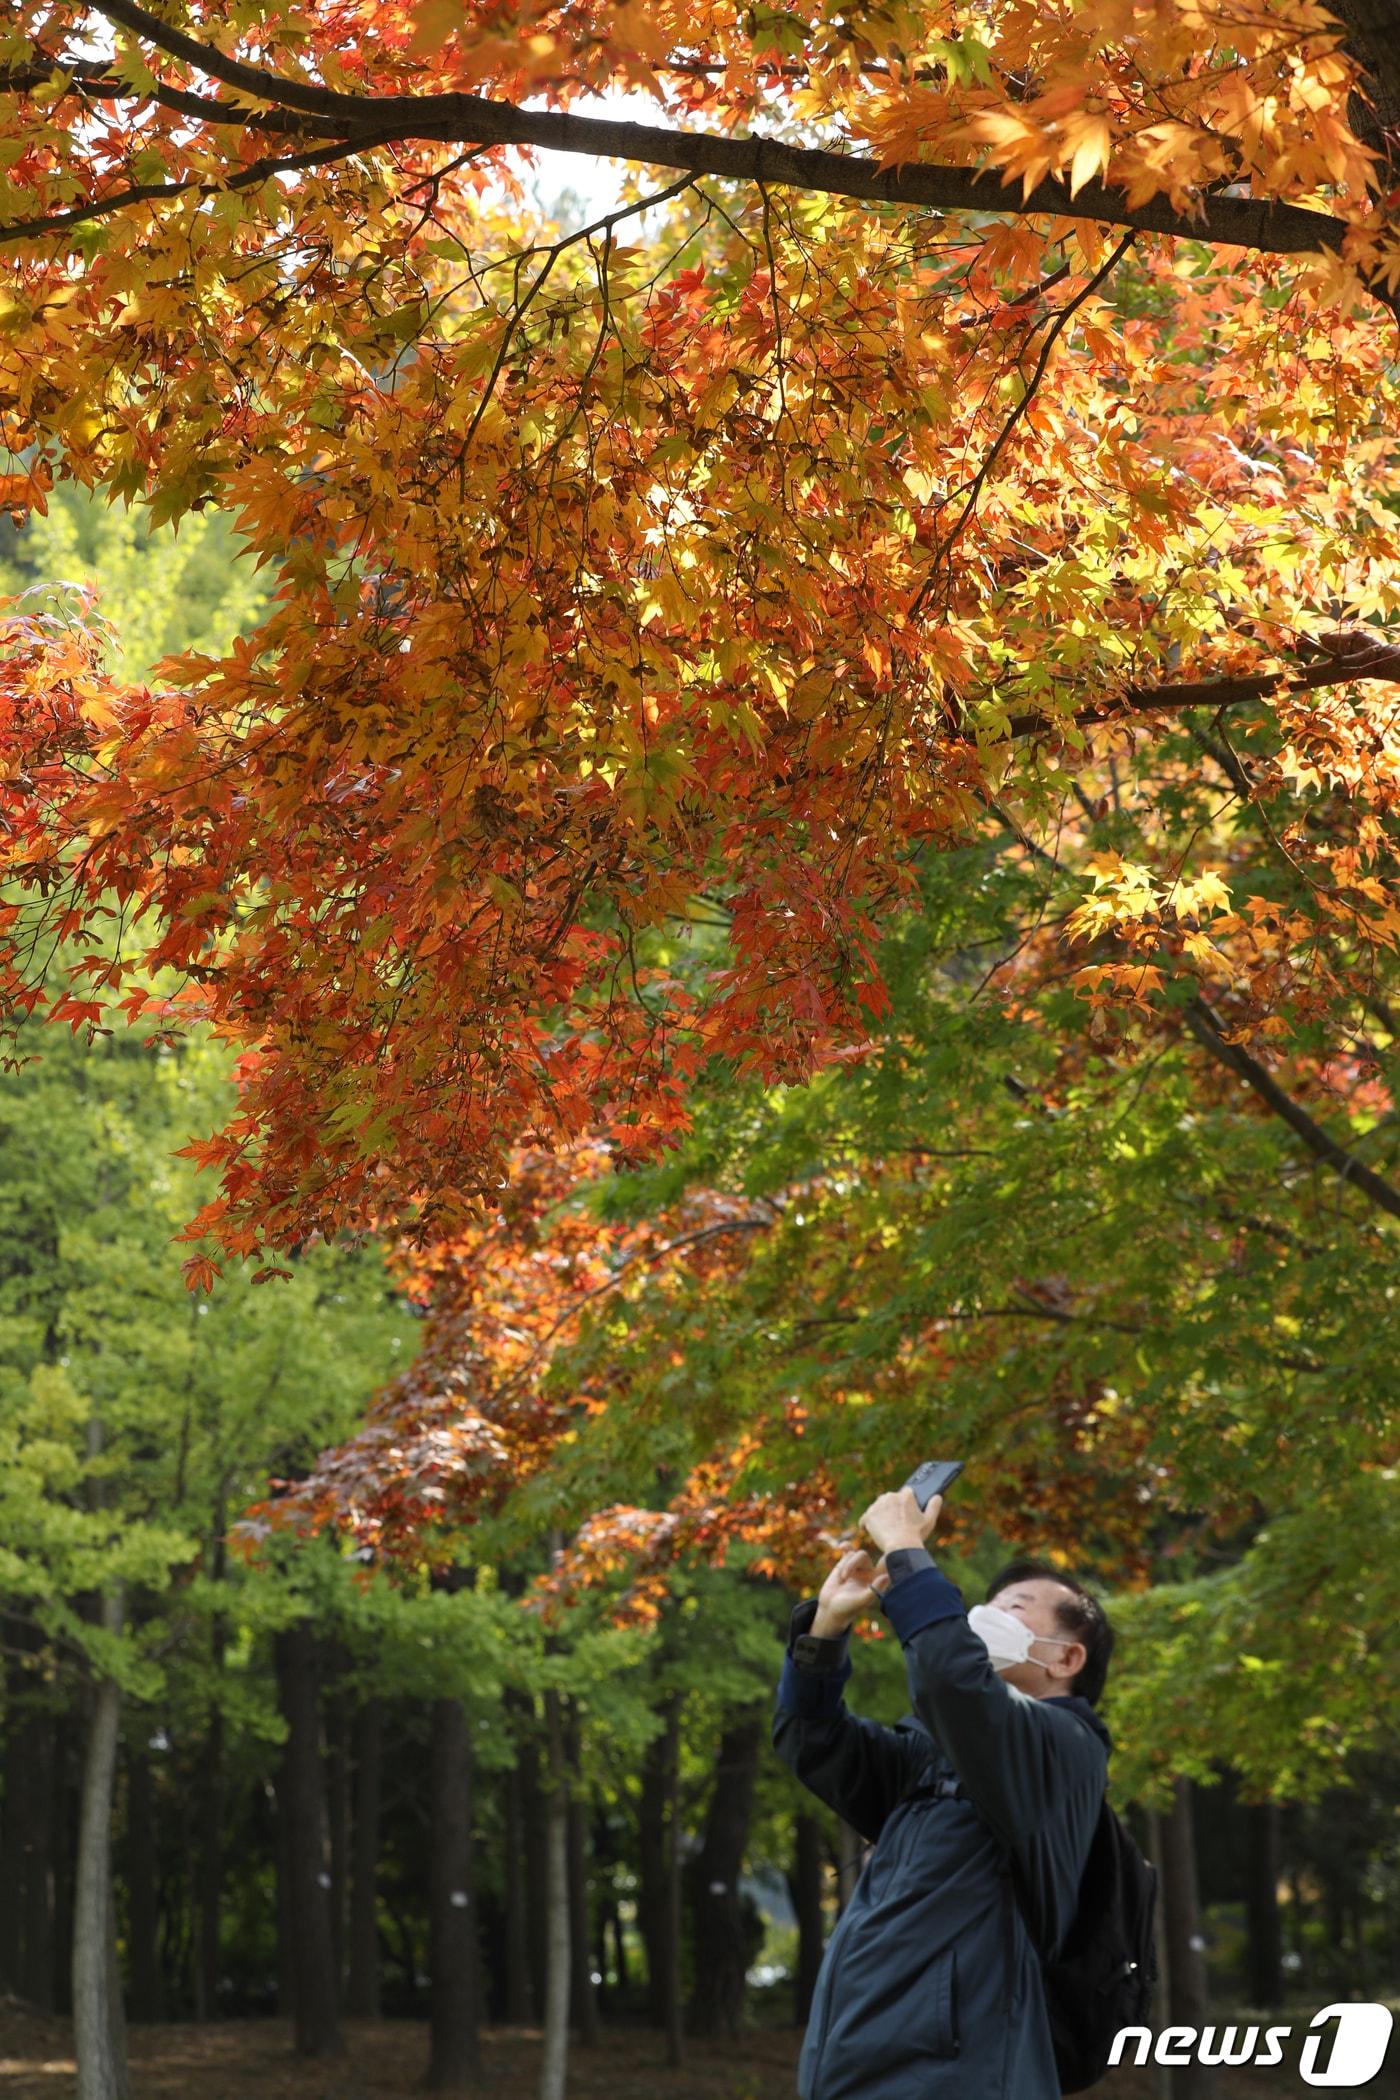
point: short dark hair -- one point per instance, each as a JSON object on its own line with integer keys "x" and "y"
{"x": 1080, "y": 1614}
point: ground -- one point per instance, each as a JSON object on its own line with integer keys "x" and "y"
{"x": 253, "y": 2060}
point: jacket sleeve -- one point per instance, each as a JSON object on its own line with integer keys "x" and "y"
{"x": 855, "y": 1766}
{"x": 1034, "y": 1773}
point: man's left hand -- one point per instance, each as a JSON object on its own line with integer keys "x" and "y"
{"x": 895, "y": 1520}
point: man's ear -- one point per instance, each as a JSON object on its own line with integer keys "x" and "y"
{"x": 1075, "y": 1657}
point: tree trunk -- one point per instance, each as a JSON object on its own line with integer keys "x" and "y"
{"x": 286, "y": 1926}
{"x": 301, "y": 1808}
{"x": 27, "y": 1894}
{"x": 1370, "y": 38}
{"x": 99, "y": 2028}
{"x": 337, "y": 1722}
{"x": 11, "y": 1865}
{"x": 674, "y": 2019}
{"x": 209, "y": 1864}
{"x": 620, "y": 1964}
{"x": 535, "y": 1817}
{"x": 554, "y": 2067}
{"x": 67, "y": 1753}
{"x": 17, "y": 1771}
{"x": 453, "y": 1952}
{"x": 651, "y": 1875}
{"x": 805, "y": 1886}
{"x": 362, "y": 1997}
{"x": 723, "y": 1920}
{"x": 142, "y": 1885}
{"x": 1186, "y": 1969}
{"x": 209, "y": 1860}
{"x": 659, "y": 1891}
{"x": 1262, "y": 1906}
{"x": 43, "y": 1780}
{"x": 1158, "y": 2014}
{"x": 583, "y": 1992}
{"x": 519, "y": 2005}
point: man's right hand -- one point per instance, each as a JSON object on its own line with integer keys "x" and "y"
{"x": 854, "y": 1585}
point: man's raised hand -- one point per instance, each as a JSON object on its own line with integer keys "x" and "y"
{"x": 854, "y": 1585}
{"x": 896, "y": 1519}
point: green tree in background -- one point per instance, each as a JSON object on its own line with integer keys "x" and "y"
{"x": 135, "y": 1420}
{"x": 164, "y": 590}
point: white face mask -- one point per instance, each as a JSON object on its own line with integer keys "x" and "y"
{"x": 1007, "y": 1637}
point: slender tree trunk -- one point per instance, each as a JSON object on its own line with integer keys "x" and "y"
{"x": 805, "y": 1887}
{"x": 659, "y": 1893}
{"x": 11, "y": 1867}
{"x": 209, "y": 1867}
{"x": 518, "y": 1997}
{"x": 209, "y": 1861}
{"x": 142, "y": 1886}
{"x": 674, "y": 2014}
{"x": 27, "y": 1891}
{"x": 1265, "y": 1920}
{"x": 99, "y": 2029}
{"x": 534, "y": 1817}
{"x": 16, "y": 1771}
{"x": 1160, "y": 2013}
{"x": 362, "y": 2000}
{"x": 286, "y": 1924}
{"x": 37, "y": 1752}
{"x": 723, "y": 1946}
{"x": 67, "y": 1751}
{"x": 453, "y": 1953}
{"x": 1297, "y": 1913}
{"x": 301, "y": 1805}
{"x": 658, "y": 1836}
{"x": 651, "y": 1878}
{"x": 337, "y": 1721}
{"x": 583, "y": 1993}
{"x": 1186, "y": 1969}
{"x": 554, "y": 2067}
{"x": 619, "y": 1940}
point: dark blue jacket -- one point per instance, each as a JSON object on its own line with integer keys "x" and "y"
{"x": 930, "y": 1986}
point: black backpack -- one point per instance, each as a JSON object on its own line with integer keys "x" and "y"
{"x": 1103, "y": 1975}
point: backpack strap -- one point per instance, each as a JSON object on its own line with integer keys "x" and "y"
{"x": 944, "y": 1787}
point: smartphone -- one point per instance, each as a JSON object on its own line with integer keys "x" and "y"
{"x": 932, "y": 1478}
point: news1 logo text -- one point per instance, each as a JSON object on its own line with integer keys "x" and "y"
{"x": 1344, "y": 2047}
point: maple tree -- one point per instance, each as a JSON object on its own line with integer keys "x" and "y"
{"x": 1164, "y": 1350}
{"x": 966, "y": 456}
{"x": 1020, "y": 394}
{"x": 978, "y": 445}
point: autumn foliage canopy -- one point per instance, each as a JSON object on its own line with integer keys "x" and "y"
{"x": 975, "y": 427}
{"x": 651, "y": 598}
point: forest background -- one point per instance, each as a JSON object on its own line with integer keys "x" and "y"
{"x": 868, "y": 965}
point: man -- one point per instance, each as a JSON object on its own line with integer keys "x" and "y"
{"x": 931, "y": 1985}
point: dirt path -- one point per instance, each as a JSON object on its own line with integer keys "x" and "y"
{"x": 253, "y": 2060}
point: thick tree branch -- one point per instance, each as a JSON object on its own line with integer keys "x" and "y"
{"x": 96, "y": 80}
{"x": 144, "y": 192}
{"x": 1371, "y": 40}
{"x": 1228, "y": 760}
{"x": 1204, "y": 1025}
{"x": 1336, "y": 668}
{"x": 1261, "y": 224}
